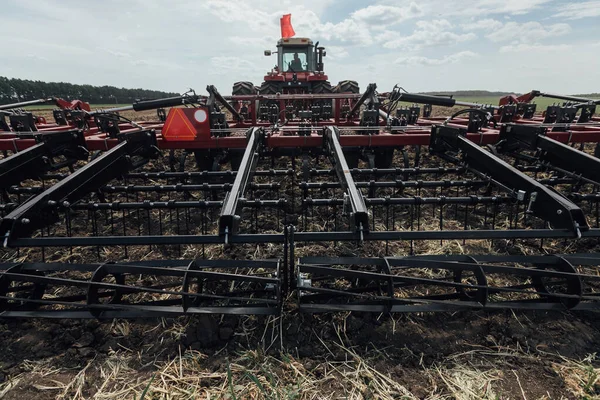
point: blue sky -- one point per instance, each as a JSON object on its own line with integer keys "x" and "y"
{"x": 425, "y": 45}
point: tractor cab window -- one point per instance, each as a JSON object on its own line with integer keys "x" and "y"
{"x": 294, "y": 60}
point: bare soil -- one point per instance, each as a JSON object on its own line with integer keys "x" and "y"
{"x": 463, "y": 355}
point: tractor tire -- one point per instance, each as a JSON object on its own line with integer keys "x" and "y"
{"x": 347, "y": 87}
{"x": 243, "y": 89}
{"x": 268, "y": 88}
{"x": 322, "y": 87}
{"x": 265, "y": 89}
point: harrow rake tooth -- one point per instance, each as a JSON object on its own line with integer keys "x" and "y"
{"x": 551, "y": 283}
{"x": 115, "y": 290}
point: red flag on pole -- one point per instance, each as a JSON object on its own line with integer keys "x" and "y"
{"x": 287, "y": 31}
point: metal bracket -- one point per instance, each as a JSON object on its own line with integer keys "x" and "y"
{"x": 368, "y": 97}
{"x": 587, "y": 112}
{"x": 526, "y": 110}
{"x": 215, "y": 96}
{"x": 507, "y": 113}
{"x": 560, "y": 115}
{"x": 22, "y": 122}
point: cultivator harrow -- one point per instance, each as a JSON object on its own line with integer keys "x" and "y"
{"x": 178, "y": 212}
{"x": 447, "y": 283}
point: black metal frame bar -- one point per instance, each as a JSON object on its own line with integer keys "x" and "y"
{"x": 31, "y": 163}
{"x": 42, "y": 209}
{"x": 543, "y": 202}
{"x": 518, "y": 137}
{"x": 229, "y": 218}
{"x": 358, "y": 213}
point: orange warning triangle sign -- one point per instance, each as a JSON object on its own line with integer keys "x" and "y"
{"x": 178, "y": 127}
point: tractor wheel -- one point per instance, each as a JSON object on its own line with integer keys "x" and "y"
{"x": 243, "y": 88}
{"x": 268, "y": 88}
{"x": 347, "y": 87}
{"x": 322, "y": 87}
{"x": 265, "y": 89}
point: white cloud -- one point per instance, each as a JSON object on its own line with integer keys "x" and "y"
{"x": 158, "y": 65}
{"x": 355, "y": 29}
{"x": 263, "y": 42}
{"x": 527, "y": 32}
{"x": 578, "y": 10}
{"x": 337, "y": 52}
{"x": 487, "y": 24}
{"x": 384, "y": 15}
{"x": 450, "y": 59}
{"x": 230, "y": 65}
{"x": 526, "y": 48}
{"x": 514, "y": 7}
{"x": 240, "y": 11}
{"x": 118, "y": 54}
{"x": 480, "y": 8}
{"x": 37, "y": 57}
{"x": 347, "y": 31}
{"x": 434, "y": 25}
{"x": 428, "y": 33}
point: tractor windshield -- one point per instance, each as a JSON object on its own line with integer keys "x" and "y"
{"x": 295, "y": 59}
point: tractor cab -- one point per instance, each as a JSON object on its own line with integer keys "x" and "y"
{"x": 295, "y": 55}
{"x": 298, "y": 55}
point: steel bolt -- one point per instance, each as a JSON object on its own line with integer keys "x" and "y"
{"x": 559, "y": 212}
{"x": 25, "y": 221}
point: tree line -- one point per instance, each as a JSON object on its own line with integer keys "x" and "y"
{"x": 14, "y": 90}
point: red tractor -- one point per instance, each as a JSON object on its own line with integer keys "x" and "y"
{"x": 299, "y": 69}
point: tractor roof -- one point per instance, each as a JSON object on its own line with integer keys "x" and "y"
{"x": 295, "y": 42}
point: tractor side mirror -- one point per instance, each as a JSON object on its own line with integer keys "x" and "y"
{"x": 324, "y": 53}
{"x": 267, "y": 52}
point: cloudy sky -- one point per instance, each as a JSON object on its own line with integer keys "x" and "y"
{"x": 511, "y": 45}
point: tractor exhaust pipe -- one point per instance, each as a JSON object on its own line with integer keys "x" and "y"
{"x": 319, "y": 53}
